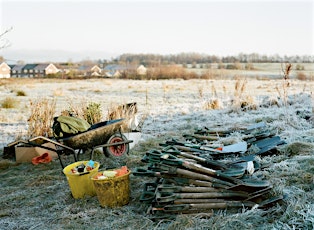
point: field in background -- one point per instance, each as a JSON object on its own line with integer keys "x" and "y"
{"x": 260, "y": 70}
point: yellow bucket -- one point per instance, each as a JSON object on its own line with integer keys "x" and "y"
{"x": 80, "y": 185}
{"x": 113, "y": 192}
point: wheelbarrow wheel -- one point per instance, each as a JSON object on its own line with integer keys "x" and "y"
{"x": 116, "y": 150}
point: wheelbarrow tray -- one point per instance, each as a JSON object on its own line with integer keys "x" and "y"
{"x": 96, "y": 135}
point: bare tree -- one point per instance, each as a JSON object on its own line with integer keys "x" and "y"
{"x": 3, "y": 41}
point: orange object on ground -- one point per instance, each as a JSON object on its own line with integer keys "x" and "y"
{"x": 122, "y": 171}
{"x": 44, "y": 158}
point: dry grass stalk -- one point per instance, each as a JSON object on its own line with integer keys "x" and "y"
{"x": 239, "y": 90}
{"x": 126, "y": 111}
{"x": 213, "y": 104}
{"x": 200, "y": 90}
{"x": 286, "y": 83}
{"x": 214, "y": 91}
{"x": 41, "y": 118}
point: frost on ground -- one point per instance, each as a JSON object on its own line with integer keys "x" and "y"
{"x": 168, "y": 109}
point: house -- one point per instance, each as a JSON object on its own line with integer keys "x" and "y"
{"x": 5, "y": 70}
{"x": 33, "y": 70}
{"x": 114, "y": 70}
{"x": 42, "y": 70}
{"x": 118, "y": 70}
{"x": 96, "y": 71}
{"x": 16, "y": 70}
{"x": 28, "y": 70}
{"x": 90, "y": 71}
{"x": 141, "y": 70}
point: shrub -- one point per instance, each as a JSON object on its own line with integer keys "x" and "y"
{"x": 92, "y": 113}
{"x": 299, "y": 67}
{"x": 20, "y": 93}
{"x": 9, "y": 103}
{"x": 301, "y": 76}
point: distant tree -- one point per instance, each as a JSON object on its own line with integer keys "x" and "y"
{"x": 3, "y": 41}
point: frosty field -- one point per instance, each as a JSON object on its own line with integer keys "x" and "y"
{"x": 38, "y": 197}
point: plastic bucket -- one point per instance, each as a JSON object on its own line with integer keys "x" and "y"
{"x": 113, "y": 192}
{"x": 80, "y": 185}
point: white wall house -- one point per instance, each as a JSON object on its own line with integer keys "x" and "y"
{"x": 5, "y": 70}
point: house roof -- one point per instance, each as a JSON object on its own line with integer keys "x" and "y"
{"x": 5, "y": 64}
{"x": 29, "y": 66}
{"x": 84, "y": 67}
{"x": 41, "y": 67}
{"x": 16, "y": 67}
{"x": 114, "y": 67}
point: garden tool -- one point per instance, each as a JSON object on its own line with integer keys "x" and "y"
{"x": 201, "y": 137}
{"x": 190, "y": 178}
{"x": 206, "y": 131}
{"x": 240, "y": 147}
{"x": 183, "y": 146}
{"x": 172, "y": 188}
{"x": 269, "y": 202}
{"x": 250, "y": 185}
{"x": 149, "y": 192}
{"x": 206, "y": 206}
{"x": 195, "y": 201}
{"x": 254, "y": 127}
{"x": 163, "y": 197}
{"x": 187, "y": 181}
{"x": 257, "y": 194}
{"x": 211, "y": 163}
{"x": 233, "y": 172}
{"x": 234, "y": 169}
{"x": 170, "y": 170}
{"x": 267, "y": 144}
{"x": 172, "y": 160}
{"x": 225, "y": 181}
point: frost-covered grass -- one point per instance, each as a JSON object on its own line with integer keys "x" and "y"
{"x": 38, "y": 197}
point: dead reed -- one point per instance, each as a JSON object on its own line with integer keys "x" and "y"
{"x": 127, "y": 112}
{"x": 41, "y": 117}
{"x": 283, "y": 90}
{"x": 238, "y": 101}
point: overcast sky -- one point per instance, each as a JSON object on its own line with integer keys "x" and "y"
{"x": 50, "y": 30}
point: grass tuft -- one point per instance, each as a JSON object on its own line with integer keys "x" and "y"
{"x": 20, "y": 93}
{"x": 9, "y": 103}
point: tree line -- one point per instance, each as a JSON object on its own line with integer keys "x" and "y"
{"x": 151, "y": 60}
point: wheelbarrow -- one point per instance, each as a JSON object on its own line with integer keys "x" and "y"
{"x": 106, "y": 135}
